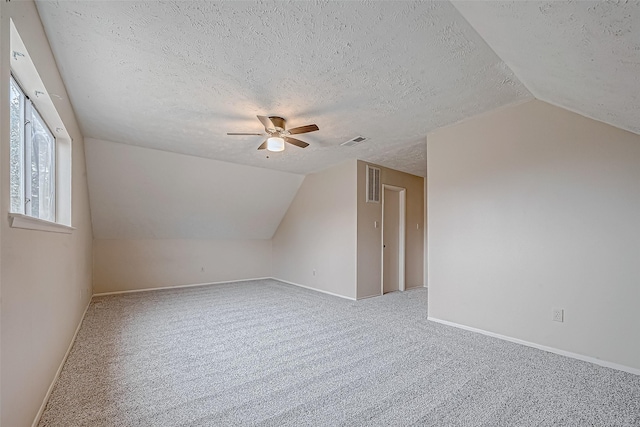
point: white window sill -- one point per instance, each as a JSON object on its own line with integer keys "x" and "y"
{"x": 31, "y": 223}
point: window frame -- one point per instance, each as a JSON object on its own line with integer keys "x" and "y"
{"x": 58, "y": 157}
{"x": 24, "y": 218}
{"x": 28, "y": 115}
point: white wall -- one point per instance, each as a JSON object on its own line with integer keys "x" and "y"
{"x": 370, "y": 238}
{"x": 318, "y": 233}
{"x": 121, "y": 265}
{"x": 46, "y": 277}
{"x": 166, "y": 219}
{"x": 533, "y": 207}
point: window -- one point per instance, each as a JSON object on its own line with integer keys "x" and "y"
{"x": 33, "y": 149}
{"x": 40, "y": 149}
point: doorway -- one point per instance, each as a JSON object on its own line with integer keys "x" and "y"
{"x": 393, "y": 238}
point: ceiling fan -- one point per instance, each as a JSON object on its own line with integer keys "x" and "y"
{"x": 278, "y": 134}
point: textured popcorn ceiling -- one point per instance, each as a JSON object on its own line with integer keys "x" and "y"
{"x": 178, "y": 75}
{"x": 580, "y": 55}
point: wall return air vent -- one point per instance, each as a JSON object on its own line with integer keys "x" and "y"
{"x": 373, "y": 184}
{"x": 354, "y": 141}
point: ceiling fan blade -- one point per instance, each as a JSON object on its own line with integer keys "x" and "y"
{"x": 296, "y": 142}
{"x": 263, "y": 145}
{"x": 266, "y": 121}
{"x": 304, "y": 129}
{"x": 236, "y": 133}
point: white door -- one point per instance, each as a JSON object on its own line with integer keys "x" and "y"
{"x": 390, "y": 240}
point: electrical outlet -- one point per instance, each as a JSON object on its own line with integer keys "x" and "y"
{"x": 558, "y": 315}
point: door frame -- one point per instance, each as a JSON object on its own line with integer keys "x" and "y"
{"x": 402, "y": 202}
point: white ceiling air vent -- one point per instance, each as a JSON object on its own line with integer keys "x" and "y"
{"x": 355, "y": 141}
{"x": 373, "y": 184}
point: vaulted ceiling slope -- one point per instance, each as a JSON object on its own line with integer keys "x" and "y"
{"x": 580, "y": 55}
{"x": 178, "y": 75}
{"x": 139, "y": 193}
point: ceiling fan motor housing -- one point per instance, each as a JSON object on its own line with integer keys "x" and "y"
{"x": 278, "y": 122}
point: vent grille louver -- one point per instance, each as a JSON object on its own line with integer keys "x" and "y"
{"x": 355, "y": 141}
{"x": 373, "y": 184}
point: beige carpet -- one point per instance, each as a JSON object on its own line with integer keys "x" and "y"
{"x": 265, "y": 353}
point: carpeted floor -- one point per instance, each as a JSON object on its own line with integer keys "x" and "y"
{"x": 270, "y": 354}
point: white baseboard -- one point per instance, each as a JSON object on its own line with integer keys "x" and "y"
{"x": 582, "y": 357}
{"x": 368, "y": 296}
{"x": 194, "y": 285}
{"x": 57, "y": 375}
{"x": 379, "y": 295}
{"x": 178, "y": 286}
{"x": 313, "y": 289}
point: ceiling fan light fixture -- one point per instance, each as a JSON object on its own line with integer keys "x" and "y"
{"x": 275, "y": 143}
{"x": 278, "y": 134}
